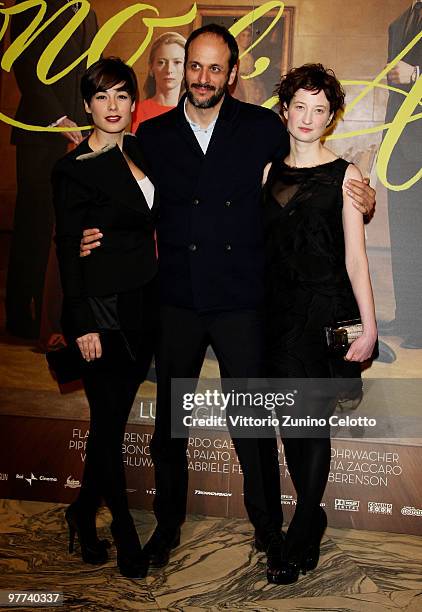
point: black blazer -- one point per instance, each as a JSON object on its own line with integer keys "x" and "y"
{"x": 210, "y": 239}
{"x": 98, "y": 190}
{"x": 409, "y": 146}
{"x": 42, "y": 104}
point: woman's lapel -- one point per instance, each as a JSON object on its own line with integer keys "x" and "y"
{"x": 108, "y": 170}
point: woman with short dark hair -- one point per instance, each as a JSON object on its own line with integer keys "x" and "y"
{"x": 109, "y": 298}
{"x": 317, "y": 275}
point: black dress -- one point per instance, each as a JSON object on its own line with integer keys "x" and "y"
{"x": 307, "y": 289}
{"x": 307, "y": 283}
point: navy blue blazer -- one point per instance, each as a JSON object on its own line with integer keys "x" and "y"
{"x": 210, "y": 239}
{"x": 98, "y": 190}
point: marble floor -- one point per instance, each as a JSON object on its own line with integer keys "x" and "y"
{"x": 214, "y": 568}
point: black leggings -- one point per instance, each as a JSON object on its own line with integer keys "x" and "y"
{"x": 110, "y": 391}
{"x": 308, "y": 460}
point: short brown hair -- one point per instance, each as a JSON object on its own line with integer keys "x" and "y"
{"x": 312, "y": 77}
{"x": 107, "y": 73}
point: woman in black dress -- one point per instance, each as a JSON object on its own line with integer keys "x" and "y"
{"x": 109, "y": 298}
{"x": 317, "y": 275}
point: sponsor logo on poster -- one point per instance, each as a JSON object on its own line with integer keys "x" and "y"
{"x": 411, "y": 511}
{"x": 30, "y": 479}
{"x": 288, "y": 500}
{"x": 71, "y": 483}
{"x": 150, "y": 491}
{"x": 380, "y": 508}
{"x": 213, "y": 493}
{"x": 4, "y": 476}
{"x": 350, "y": 505}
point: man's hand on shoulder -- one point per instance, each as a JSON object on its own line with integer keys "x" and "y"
{"x": 75, "y": 137}
{"x": 90, "y": 240}
{"x": 363, "y": 196}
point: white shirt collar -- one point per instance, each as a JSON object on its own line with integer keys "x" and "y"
{"x": 195, "y": 126}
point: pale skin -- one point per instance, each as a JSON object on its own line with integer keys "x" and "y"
{"x": 401, "y": 74}
{"x": 207, "y": 71}
{"x": 74, "y": 137}
{"x": 308, "y": 116}
{"x": 111, "y": 112}
{"x": 167, "y": 69}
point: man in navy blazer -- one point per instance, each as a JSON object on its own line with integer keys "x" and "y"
{"x": 208, "y": 156}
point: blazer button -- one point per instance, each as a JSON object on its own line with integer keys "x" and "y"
{"x": 228, "y": 247}
{"x": 228, "y": 203}
{"x": 192, "y": 247}
{"x": 196, "y": 202}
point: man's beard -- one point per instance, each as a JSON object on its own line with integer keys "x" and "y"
{"x": 212, "y": 101}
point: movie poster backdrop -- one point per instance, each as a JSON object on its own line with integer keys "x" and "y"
{"x": 376, "y": 50}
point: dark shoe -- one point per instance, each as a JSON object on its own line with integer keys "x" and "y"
{"x": 159, "y": 546}
{"x": 93, "y": 550}
{"x": 385, "y": 353}
{"x": 311, "y": 557}
{"x": 287, "y": 573}
{"x": 274, "y": 550}
{"x": 389, "y": 328}
{"x": 131, "y": 559}
{"x": 133, "y": 566}
{"x": 412, "y": 342}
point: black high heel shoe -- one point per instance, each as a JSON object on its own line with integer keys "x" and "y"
{"x": 131, "y": 559}
{"x": 287, "y": 572}
{"x": 93, "y": 550}
{"x": 273, "y": 548}
{"x": 291, "y": 560}
{"x": 311, "y": 557}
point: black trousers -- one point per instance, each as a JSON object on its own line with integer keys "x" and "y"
{"x": 110, "y": 390}
{"x": 237, "y": 340}
{"x": 31, "y": 240}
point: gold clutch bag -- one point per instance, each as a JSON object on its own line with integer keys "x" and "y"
{"x": 341, "y": 335}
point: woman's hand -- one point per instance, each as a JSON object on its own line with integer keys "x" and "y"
{"x": 90, "y": 346}
{"x": 90, "y": 240}
{"x": 362, "y": 348}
